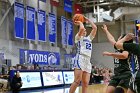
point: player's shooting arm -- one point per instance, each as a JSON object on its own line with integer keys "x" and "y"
{"x": 94, "y": 28}
{"x": 81, "y": 30}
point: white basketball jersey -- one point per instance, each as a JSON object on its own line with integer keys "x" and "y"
{"x": 84, "y": 46}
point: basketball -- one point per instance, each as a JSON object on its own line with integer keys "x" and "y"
{"x": 78, "y": 17}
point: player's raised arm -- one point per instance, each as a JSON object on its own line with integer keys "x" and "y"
{"x": 109, "y": 35}
{"x": 94, "y": 28}
{"x": 81, "y": 29}
{"x": 122, "y": 55}
{"x": 120, "y": 42}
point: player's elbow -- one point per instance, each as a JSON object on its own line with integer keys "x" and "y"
{"x": 82, "y": 29}
{"x": 124, "y": 57}
{"x": 116, "y": 45}
{"x": 94, "y": 28}
{"x": 113, "y": 42}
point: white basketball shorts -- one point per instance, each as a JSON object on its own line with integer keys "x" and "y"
{"x": 82, "y": 62}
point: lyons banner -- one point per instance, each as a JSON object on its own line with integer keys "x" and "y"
{"x": 19, "y": 20}
{"x": 41, "y": 25}
{"x": 39, "y": 57}
{"x": 30, "y": 23}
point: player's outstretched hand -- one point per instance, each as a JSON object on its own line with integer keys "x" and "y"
{"x": 106, "y": 53}
{"x": 104, "y": 27}
{"x": 129, "y": 36}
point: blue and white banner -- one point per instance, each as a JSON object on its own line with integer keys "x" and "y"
{"x": 64, "y": 30}
{"x": 52, "y": 28}
{"x": 39, "y": 57}
{"x": 68, "y": 5}
{"x": 41, "y": 25}
{"x": 30, "y": 23}
{"x": 19, "y": 20}
{"x": 70, "y": 33}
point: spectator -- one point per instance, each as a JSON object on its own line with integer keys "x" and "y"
{"x": 49, "y": 68}
{"x": 32, "y": 67}
{"x": 45, "y": 68}
{"x": 106, "y": 76}
{"x": 4, "y": 82}
{"x": 28, "y": 67}
{"x": 16, "y": 83}
{"x": 19, "y": 67}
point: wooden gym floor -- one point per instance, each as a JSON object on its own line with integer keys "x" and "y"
{"x": 95, "y": 88}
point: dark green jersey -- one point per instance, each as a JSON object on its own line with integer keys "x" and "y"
{"x": 121, "y": 65}
{"x": 135, "y": 50}
{"x": 132, "y": 47}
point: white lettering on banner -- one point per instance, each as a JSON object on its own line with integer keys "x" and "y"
{"x": 41, "y": 58}
{"x": 37, "y": 58}
{"x": 40, "y": 19}
{"x": 68, "y": 5}
{"x": 64, "y": 27}
{"x": 19, "y": 12}
{"x": 69, "y": 28}
{"x": 45, "y": 58}
{"x": 31, "y": 58}
{"x": 30, "y": 15}
{"x": 53, "y": 25}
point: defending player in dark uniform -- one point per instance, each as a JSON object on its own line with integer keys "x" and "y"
{"x": 122, "y": 73}
{"x": 135, "y": 49}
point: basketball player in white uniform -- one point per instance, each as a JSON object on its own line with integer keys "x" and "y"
{"x": 82, "y": 65}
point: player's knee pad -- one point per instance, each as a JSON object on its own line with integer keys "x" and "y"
{"x": 119, "y": 90}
